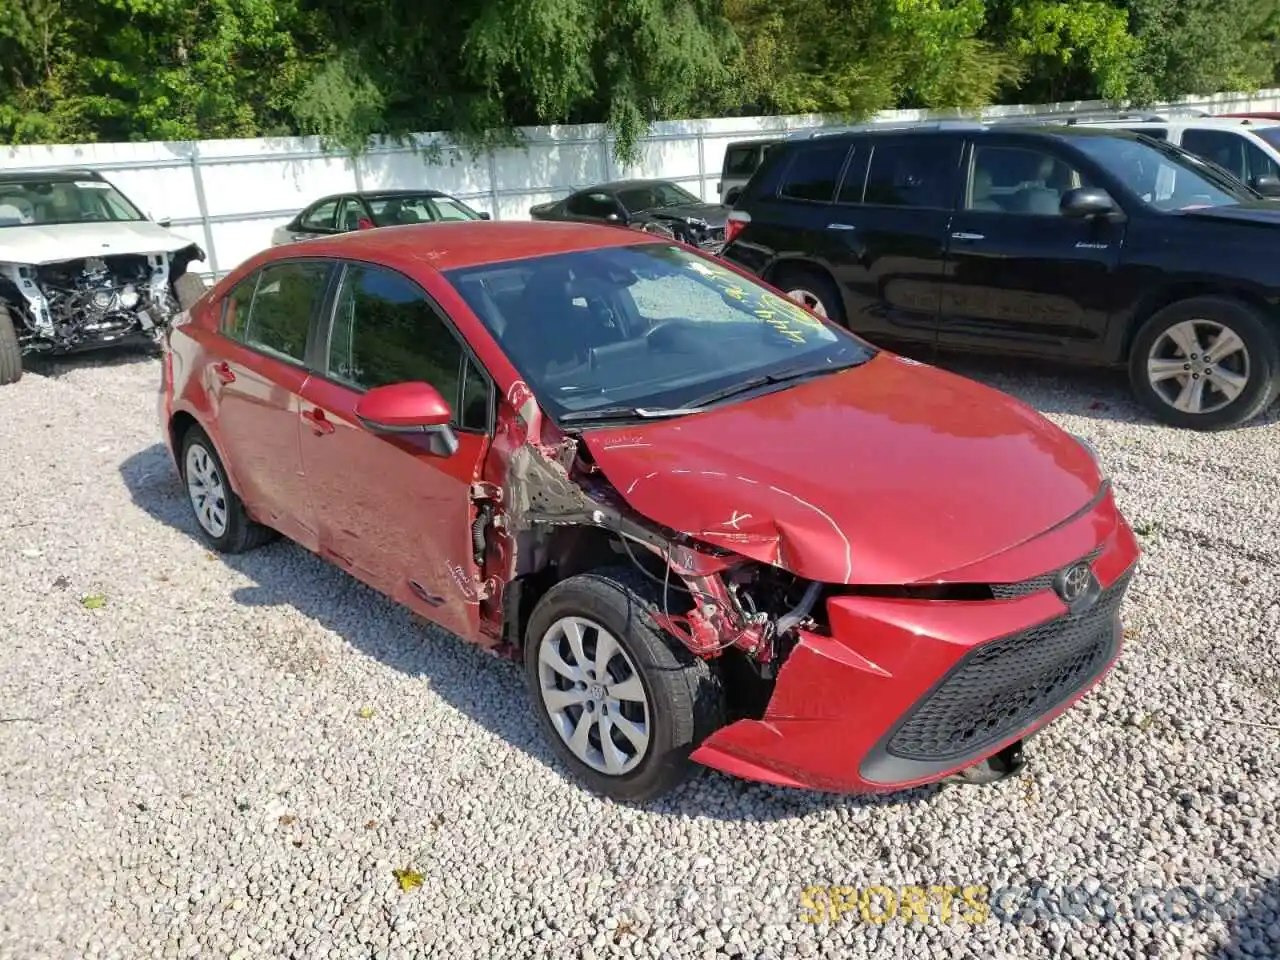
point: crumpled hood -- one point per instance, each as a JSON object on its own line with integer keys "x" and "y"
{"x": 715, "y": 214}
{"x": 38, "y": 244}
{"x": 888, "y": 473}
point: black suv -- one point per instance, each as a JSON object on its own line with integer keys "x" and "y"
{"x": 1090, "y": 245}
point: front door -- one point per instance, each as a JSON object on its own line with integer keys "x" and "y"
{"x": 256, "y": 382}
{"x": 1020, "y": 275}
{"x": 391, "y": 511}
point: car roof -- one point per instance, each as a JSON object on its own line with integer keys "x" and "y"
{"x": 1209, "y": 123}
{"x": 379, "y": 194}
{"x": 464, "y": 243}
{"x": 54, "y": 173}
{"x": 615, "y": 185}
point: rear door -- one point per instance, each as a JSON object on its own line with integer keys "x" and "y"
{"x": 391, "y": 511}
{"x": 886, "y": 233}
{"x": 255, "y": 388}
{"x": 1020, "y": 275}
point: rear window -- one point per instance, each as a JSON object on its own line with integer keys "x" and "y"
{"x": 814, "y": 171}
{"x": 741, "y": 161}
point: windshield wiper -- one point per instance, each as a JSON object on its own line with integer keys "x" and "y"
{"x": 626, "y": 413}
{"x": 785, "y": 376}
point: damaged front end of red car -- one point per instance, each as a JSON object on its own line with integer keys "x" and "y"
{"x": 836, "y": 680}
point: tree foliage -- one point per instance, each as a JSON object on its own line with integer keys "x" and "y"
{"x": 352, "y": 70}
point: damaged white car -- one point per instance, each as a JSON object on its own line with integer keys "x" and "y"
{"x": 81, "y": 267}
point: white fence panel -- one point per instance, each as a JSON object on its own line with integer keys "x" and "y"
{"x": 228, "y": 195}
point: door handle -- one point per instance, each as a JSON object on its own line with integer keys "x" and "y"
{"x": 967, "y": 236}
{"x": 841, "y": 226}
{"x": 224, "y": 372}
{"x": 320, "y": 424}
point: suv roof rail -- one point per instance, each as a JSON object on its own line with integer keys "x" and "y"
{"x": 1070, "y": 117}
{"x": 878, "y": 125}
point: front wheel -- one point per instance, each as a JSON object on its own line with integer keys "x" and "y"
{"x": 10, "y": 351}
{"x": 1206, "y": 363}
{"x": 623, "y": 703}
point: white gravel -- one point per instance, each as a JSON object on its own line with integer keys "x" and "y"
{"x": 232, "y": 757}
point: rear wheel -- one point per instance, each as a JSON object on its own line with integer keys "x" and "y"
{"x": 10, "y": 352}
{"x": 1206, "y": 363}
{"x": 812, "y": 290}
{"x": 219, "y": 513}
{"x": 623, "y": 702}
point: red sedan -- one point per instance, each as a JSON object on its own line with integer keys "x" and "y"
{"x": 714, "y": 527}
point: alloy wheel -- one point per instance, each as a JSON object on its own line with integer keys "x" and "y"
{"x": 808, "y": 299}
{"x": 593, "y": 695}
{"x": 207, "y": 491}
{"x": 1198, "y": 366}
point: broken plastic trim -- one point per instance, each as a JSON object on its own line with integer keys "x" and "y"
{"x": 999, "y": 766}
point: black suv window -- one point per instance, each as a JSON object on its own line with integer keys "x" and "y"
{"x": 284, "y": 302}
{"x": 814, "y": 171}
{"x": 1019, "y": 180}
{"x": 1224, "y": 149}
{"x": 913, "y": 172}
{"x": 386, "y": 331}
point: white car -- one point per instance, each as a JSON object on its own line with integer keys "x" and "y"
{"x": 81, "y": 267}
{"x": 1247, "y": 147}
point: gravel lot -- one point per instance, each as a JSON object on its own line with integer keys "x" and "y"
{"x": 207, "y": 757}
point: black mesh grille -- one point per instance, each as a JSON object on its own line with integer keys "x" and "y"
{"x": 1003, "y": 685}
{"x": 1011, "y": 591}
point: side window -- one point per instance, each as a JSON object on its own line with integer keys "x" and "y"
{"x": 914, "y": 172}
{"x": 814, "y": 171}
{"x": 592, "y": 205}
{"x": 350, "y": 213}
{"x": 235, "y": 308}
{"x": 386, "y": 331}
{"x": 474, "y": 410}
{"x": 286, "y": 299}
{"x": 446, "y": 208}
{"x": 1224, "y": 149}
{"x": 1019, "y": 180}
{"x": 855, "y": 175}
{"x": 321, "y": 218}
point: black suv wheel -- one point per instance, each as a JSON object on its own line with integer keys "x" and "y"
{"x": 812, "y": 289}
{"x": 1206, "y": 363}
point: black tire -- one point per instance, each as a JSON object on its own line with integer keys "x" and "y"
{"x": 1259, "y": 336}
{"x": 790, "y": 279}
{"x": 240, "y": 533}
{"x": 684, "y": 692}
{"x": 187, "y": 289}
{"x": 10, "y": 352}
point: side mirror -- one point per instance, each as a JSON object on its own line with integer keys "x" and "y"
{"x": 1266, "y": 185}
{"x": 412, "y": 408}
{"x": 1085, "y": 202}
{"x": 613, "y": 218}
{"x": 485, "y": 216}
{"x": 165, "y": 222}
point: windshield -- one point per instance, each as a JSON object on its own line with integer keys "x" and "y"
{"x": 42, "y": 202}
{"x": 423, "y": 208}
{"x": 1269, "y": 135}
{"x": 653, "y": 195}
{"x": 651, "y": 326}
{"x": 1162, "y": 175}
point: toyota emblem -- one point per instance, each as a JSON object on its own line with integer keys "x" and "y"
{"x": 1074, "y": 583}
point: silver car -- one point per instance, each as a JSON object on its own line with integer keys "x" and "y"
{"x": 364, "y": 210}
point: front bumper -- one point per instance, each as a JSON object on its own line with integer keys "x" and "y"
{"x": 907, "y": 692}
